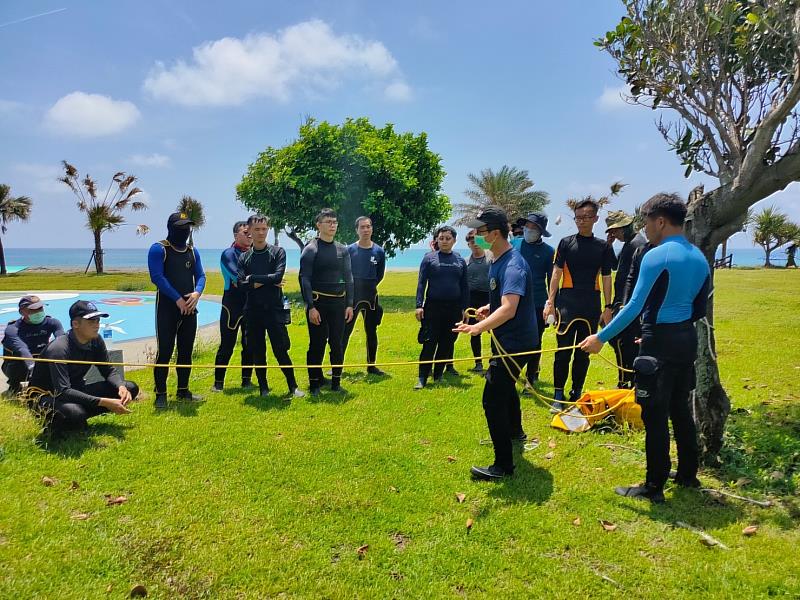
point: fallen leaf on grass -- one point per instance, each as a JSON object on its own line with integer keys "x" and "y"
{"x": 80, "y": 516}
{"x": 114, "y": 500}
{"x": 576, "y": 521}
{"x": 451, "y": 459}
{"x": 425, "y": 442}
{"x": 362, "y": 551}
{"x": 608, "y": 525}
{"x": 393, "y": 489}
{"x": 470, "y": 523}
{"x": 109, "y": 588}
{"x": 49, "y": 481}
{"x": 400, "y": 540}
{"x": 138, "y": 591}
{"x": 750, "y": 530}
{"x": 549, "y": 456}
{"x": 460, "y": 497}
{"x": 551, "y": 444}
{"x": 74, "y": 485}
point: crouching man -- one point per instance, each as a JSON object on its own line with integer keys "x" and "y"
{"x": 62, "y": 395}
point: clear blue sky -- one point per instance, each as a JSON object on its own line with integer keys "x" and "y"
{"x": 184, "y": 94}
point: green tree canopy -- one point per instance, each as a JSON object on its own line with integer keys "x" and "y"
{"x": 509, "y": 188}
{"x": 772, "y": 229}
{"x": 356, "y": 169}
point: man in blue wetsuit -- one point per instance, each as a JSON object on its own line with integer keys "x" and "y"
{"x": 231, "y": 315}
{"x": 177, "y": 272}
{"x": 368, "y": 263}
{"x": 26, "y": 338}
{"x": 670, "y": 294}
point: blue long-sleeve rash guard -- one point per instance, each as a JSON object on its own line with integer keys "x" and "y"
{"x": 229, "y": 265}
{"x": 155, "y": 263}
{"x": 672, "y": 287}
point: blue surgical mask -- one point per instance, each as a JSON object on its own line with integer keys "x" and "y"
{"x": 532, "y": 235}
{"x": 36, "y": 318}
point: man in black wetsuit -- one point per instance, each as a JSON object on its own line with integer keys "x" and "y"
{"x": 60, "y": 391}
{"x": 26, "y": 338}
{"x": 620, "y": 228}
{"x": 368, "y": 262}
{"x": 326, "y": 283}
{"x": 266, "y": 311}
{"x": 579, "y": 262}
{"x": 177, "y": 272}
{"x": 231, "y": 318}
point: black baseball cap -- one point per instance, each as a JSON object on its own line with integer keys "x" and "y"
{"x": 179, "y": 219}
{"x": 492, "y": 217}
{"x": 540, "y": 220}
{"x": 31, "y": 302}
{"x": 86, "y": 310}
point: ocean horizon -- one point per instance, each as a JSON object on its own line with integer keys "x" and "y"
{"x": 136, "y": 258}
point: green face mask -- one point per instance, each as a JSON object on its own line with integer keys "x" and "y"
{"x": 36, "y": 318}
{"x": 481, "y": 242}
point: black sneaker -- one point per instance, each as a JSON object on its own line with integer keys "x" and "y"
{"x": 693, "y": 483}
{"x": 520, "y": 438}
{"x": 478, "y": 368}
{"x": 337, "y": 387}
{"x": 420, "y": 384}
{"x": 490, "y": 473}
{"x": 451, "y": 370}
{"x": 314, "y": 391}
{"x": 247, "y": 383}
{"x": 187, "y": 396}
{"x": 642, "y": 492}
{"x": 217, "y": 387}
{"x": 263, "y": 391}
{"x": 161, "y": 401}
{"x": 375, "y": 371}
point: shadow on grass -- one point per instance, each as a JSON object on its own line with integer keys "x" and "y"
{"x": 184, "y": 409}
{"x": 326, "y": 396}
{"x": 270, "y": 402}
{"x": 530, "y": 484}
{"x": 74, "y": 444}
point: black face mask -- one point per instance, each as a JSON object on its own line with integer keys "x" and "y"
{"x": 178, "y": 236}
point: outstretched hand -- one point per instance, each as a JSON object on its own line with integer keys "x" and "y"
{"x": 591, "y": 345}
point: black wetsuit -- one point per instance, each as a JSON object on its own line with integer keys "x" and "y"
{"x": 368, "y": 266}
{"x": 231, "y": 318}
{"x": 26, "y": 340}
{"x": 326, "y": 283}
{"x": 181, "y": 275}
{"x": 583, "y": 260}
{"x": 478, "y": 282}
{"x": 65, "y": 399}
{"x": 264, "y": 309}
{"x": 443, "y": 293}
{"x": 625, "y": 347}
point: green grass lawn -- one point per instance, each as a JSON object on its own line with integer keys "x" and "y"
{"x": 243, "y": 497}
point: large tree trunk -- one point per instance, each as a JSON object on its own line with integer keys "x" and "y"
{"x": 2, "y": 258}
{"x": 767, "y": 252}
{"x": 98, "y": 252}
{"x": 277, "y": 231}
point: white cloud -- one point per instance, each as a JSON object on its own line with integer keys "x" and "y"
{"x": 10, "y": 107}
{"x": 304, "y": 58}
{"x": 150, "y": 160}
{"x": 398, "y": 91}
{"x": 42, "y": 177}
{"x": 90, "y": 115}
{"x": 612, "y": 98}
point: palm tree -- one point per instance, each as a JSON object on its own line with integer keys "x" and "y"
{"x": 772, "y": 229}
{"x": 508, "y": 188}
{"x": 104, "y": 214}
{"x": 194, "y": 209}
{"x": 613, "y": 190}
{"x": 11, "y": 209}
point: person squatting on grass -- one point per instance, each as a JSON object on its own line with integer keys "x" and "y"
{"x": 510, "y": 316}
{"x": 326, "y": 283}
{"x": 64, "y": 398}
{"x": 26, "y": 337}
{"x": 231, "y": 316}
{"x": 442, "y": 298}
{"x": 478, "y": 283}
{"x": 177, "y": 272}
{"x": 260, "y": 273}
{"x": 670, "y": 294}
{"x": 620, "y": 227}
{"x": 579, "y": 261}
{"x": 368, "y": 263}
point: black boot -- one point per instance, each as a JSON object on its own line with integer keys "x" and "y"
{"x": 187, "y": 396}
{"x": 161, "y": 401}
